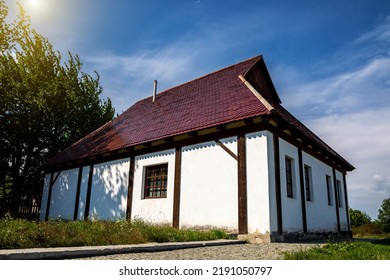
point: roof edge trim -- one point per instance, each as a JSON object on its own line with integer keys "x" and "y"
{"x": 257, "y": 94}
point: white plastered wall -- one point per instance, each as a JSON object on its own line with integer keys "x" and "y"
{"x": 63, "y": 195}
{"x": 83, "y": 193}
{"x": 319, "y": 215}
{"x": 273, "y": 218}
{"x": 109, "y": 190}
{"x": 156, "y": 210}
{"x": 258, "y": 191}
{"x": 291, "y": 207}
{"x": 209, "y": 185}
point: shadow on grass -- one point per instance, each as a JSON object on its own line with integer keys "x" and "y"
{"x": 385, "y": 241}
{"x": 378, "y": 240}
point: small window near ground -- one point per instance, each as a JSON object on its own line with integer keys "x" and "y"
{"x": 329, "y": 189}
{"x": 156, "y": 181}
{"x": 308, "y": 183}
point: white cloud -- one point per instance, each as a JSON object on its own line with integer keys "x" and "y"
{"x": 128, "y": 78}
{"x": 357, "y": 89}
{"x": 380, "y": 33}
{"x": 143, "y": 67}
{"x": 381, "y": 182}
{"x": 349, "y": 108}
{"x": 363, "y": 138}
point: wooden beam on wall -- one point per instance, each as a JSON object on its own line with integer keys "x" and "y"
{"x": 76, "y": 204}
{"x": 130, "y": 188}
{"x": 205, "y": 135}
{"x": 89, "y": 190}
{"x": 336, "y": 196}
{"x": 242, "y": 186}
{"x": 303, "y": 196}
{"x": 346, "y": 201}
{"x": 51, "y": 184}
{"x": 176, "y": 191}
{"x": 278, "y": 192}
{"x": 226, "y": 149}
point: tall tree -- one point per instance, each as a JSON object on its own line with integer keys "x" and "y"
{"x": 384, "y": 215}
{"x": 46, "y": 104}
{"x": 358, "y": 218}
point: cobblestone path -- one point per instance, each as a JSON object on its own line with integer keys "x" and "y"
{"x": 263, "y": 251}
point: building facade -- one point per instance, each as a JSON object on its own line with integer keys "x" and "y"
{"x": 218, "y": 151}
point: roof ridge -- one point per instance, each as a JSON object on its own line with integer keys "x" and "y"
{"x": 259, "y": 57}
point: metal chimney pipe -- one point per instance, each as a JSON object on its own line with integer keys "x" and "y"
{"x": 154, "y": 90}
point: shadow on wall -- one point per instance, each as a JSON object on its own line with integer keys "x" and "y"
{"x": 109, "y": 190}
{"x": 108, "y": 193}
{"x": 64, "y": 195}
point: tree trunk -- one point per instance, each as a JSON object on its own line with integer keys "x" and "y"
{"x": 15, "y": 197}
{"x": 16, "y": 186}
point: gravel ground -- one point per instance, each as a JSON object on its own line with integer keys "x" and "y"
{"x": 262, "y": 251}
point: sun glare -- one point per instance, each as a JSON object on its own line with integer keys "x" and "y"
{"x": 35, "y": 4}
{"x": 36, "y": 7}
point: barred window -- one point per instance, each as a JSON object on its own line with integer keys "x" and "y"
{"x": 156, "y": 181}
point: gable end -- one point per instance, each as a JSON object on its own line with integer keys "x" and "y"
{"x": 259, "y": 77}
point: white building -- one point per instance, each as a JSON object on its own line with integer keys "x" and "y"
{"x": 217, "y": 151}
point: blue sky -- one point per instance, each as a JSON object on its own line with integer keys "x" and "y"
{"x": 329, "y": 60}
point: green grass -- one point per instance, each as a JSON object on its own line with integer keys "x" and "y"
{"x": 378, "y": 249}
{"x": 17, "y": 233}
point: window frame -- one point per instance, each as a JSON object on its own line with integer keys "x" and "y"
{"x": 329, "y": 189}
{"x": 153, "y": 174}
{"x": 338, "y": 188}
{"x": 289, "y": 170}
{"x": 308, "y": 182}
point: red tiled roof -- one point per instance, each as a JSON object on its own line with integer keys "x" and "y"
{"x": 214, "y": 99}
{"x": 217, "y": 98}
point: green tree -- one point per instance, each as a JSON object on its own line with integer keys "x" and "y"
{"x": 46, "y": 105}
{"x": 384, "y": 215}
{"x": 358, "y": 218}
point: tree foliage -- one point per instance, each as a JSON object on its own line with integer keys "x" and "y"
{"x": 358, "y": 218}
{"x": 384, "y": 215}
{"x": 46, "y": 104}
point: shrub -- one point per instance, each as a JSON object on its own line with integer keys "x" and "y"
{"x": 371, "y": 229}
{"x": 358, "y": 218}
{"x": 384, "y": 215}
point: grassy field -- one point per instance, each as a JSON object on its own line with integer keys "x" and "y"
{"x": 370, "y": 242}
{"x": 16, "y": 233}
{"x": 375, "y": 249}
